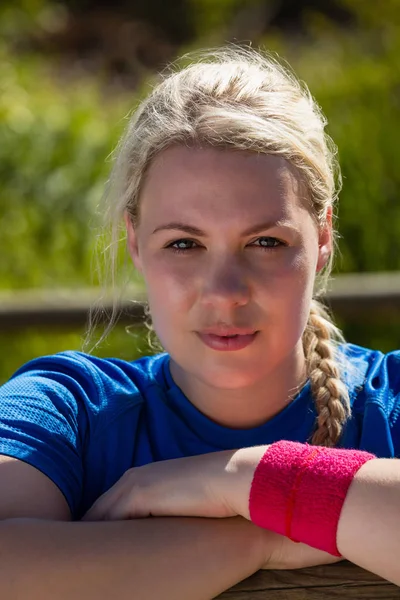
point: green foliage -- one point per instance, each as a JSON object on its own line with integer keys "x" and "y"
{"x": 56, "y": 134}
{"x": 356, "y": 80}
{"x": 54, "y": 139}
{"x": 20, "y": 16}
{"x": 127, "y": 343}
{"x": 214, "y": 16}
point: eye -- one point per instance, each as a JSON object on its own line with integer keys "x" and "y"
{"x": 182, "y": 245}
{"x": 268, "y": 243}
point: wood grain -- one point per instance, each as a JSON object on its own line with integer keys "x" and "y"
{"x": 342, "y": 580}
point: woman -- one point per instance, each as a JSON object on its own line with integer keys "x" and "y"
{"x": 258, "y": 416}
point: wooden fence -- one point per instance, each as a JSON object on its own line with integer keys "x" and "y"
{"x": 355, "y": 296}
{"x": 350, "y": 296}
{"x": 328, "y": 582}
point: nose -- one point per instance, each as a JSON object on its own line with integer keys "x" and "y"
{"x": 226, "y": 285}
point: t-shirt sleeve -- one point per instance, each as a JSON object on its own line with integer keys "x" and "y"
{"x": 42, "y": 421}
{"x": 394, "y": 417}
{"x": 381, "y": 400}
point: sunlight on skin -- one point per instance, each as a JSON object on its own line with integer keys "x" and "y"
{"x": 207, "y": 270}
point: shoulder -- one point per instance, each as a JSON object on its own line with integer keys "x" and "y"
{"x": 373, "y": 381}
{"x": 82, "y": 373}
{"x": 376, "y": 373}
{"x": 63, "y": 412}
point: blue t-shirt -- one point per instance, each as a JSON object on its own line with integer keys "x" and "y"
{"x": 83, "y": 421}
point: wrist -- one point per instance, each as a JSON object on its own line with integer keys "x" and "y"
{"x": 298, "y": 491}
{"x": 242, "y": 465}
{"x": 260, "y": 545}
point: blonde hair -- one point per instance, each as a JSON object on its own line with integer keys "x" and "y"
{"x": 247, "y": 100}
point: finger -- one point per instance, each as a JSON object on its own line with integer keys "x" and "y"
{"x": 120, "y": 510}
{"x": 128, "y": 505}
{"x": 102, "y": 506}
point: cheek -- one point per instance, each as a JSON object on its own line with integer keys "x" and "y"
{"x": 169, "y": 289}
{"x": 294, "y": 271}
{"x": 291, "y": 288}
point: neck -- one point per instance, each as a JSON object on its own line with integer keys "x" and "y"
{"x": 249, "y": 406}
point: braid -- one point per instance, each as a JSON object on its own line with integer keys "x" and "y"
{"x": 329, "y": 392}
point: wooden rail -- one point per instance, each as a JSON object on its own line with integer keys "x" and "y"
{"x": 329, "y": 582}
{"x": 354, "y": 296}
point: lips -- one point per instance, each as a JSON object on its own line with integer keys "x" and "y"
{"x": 225, "y": 331}
{"x": 228, "y": 341}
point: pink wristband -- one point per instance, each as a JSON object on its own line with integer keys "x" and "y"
{"x": 298, "y": 490}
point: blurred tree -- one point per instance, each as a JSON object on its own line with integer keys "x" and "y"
{"x": 53, "y": 144}
{"x": 59, "y": 122}
{"x": 174, "y": 18}
{"x": 122, "y": 38}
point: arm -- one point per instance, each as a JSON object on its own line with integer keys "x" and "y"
{"x": 369, "y": 525}
{"x": 169, "y": 558}
{"x": 44, "y": 557}
{"x": 218, "y": 485}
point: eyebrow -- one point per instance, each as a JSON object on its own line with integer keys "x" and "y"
{"x": 191, "y": 230}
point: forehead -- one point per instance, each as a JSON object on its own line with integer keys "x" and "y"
{"x": 220, "y": 187}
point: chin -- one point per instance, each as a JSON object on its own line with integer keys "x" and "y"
{"x": 228, "y": 378}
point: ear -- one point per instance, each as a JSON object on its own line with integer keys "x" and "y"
{"x": 325, "y": 241}
{"x": 132, "y": 242}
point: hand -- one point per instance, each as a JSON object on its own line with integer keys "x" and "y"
{"x": 208, "y": 485}
{"x": 281, "y": 553}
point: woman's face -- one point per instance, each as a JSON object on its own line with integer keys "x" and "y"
{"x": 229, "y": 253}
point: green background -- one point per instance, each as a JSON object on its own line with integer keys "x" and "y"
{"x": 65, "y": 99}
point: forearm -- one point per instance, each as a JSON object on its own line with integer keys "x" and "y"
{"x": 369, "y": 525}
{"x": 171, "y": 558}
